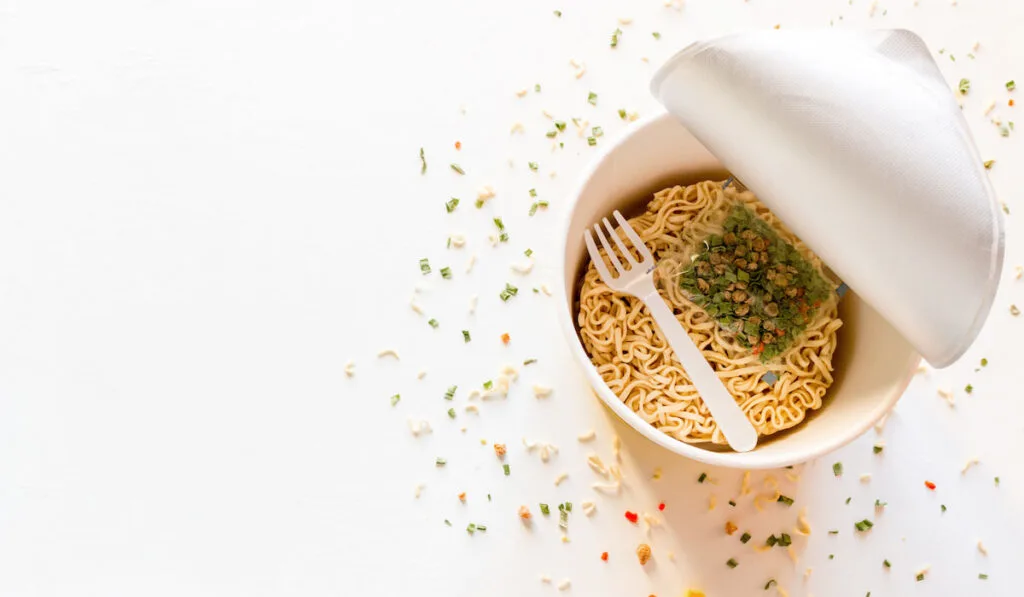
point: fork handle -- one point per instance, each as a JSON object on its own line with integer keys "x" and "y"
{"x": 737, "y": 429}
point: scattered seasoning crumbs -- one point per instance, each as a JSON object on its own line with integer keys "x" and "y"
{"x": 446, "y": 273}
{"x": 423, "y": 158}
{"x": 615, "y": 37}
{"x": 395, "y": 399}
{"x": 471, "y": 528}
{"x": 559, "y": 125}
{"x": 920, "y": 576}
{"x": 425, "y": 266}
{"x": 537, "y": 205}
{"x": 785, "y": 500}
{"x": 597, "y": 131}
{"x": 440, "y": 461}
{"x": 943, "y": 507}
{"x": 732, "y": 563}
{"x": 450, "y": 206}
{"x": 643, "y": 553}
{"x": 837, "y": 469}
{"x": 433, "y": 323}
{"x": 929, "y": 485}
{"x": 1010, "y": 85}
{"x": 880, "y": 504}
{"x": 702, "y": 477}
{"x": 863, "y": 525}
{"x": 458, "y": 169}
{"x": 744, "y": 537}
{"x": 730, "y": 527}
{"x": 831, "y": 556}
{"x": 507, "y": 469}
{"x": 503, "y": 236}
{"x": 592, "y": 98}
{"x": 528, "y": 252}
{"x": 450, "y": 392}
{"x": 509, "y": 292}
{"x": 965, "y": 86}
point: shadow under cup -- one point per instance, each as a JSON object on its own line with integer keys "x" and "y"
{"x": 873, "y": 363}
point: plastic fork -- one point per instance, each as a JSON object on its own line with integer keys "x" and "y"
{"x": 638, "y": 280}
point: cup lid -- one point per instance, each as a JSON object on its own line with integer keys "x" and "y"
{"x": 855, "y": 141}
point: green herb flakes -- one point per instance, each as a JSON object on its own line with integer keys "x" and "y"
{"x": 877, "y": 448}
{"x": 488, "y": 384}
{"x": 597, "y": 132}
{"x": 447, "y": 522}
{"x": 449, "y": 394}
{"x": 446, "y": 273}
{"x": 536, "y": 88}
{"x": 509, "y": 292}
{"x": 942, "y": 507}
{"x": 984, "y": 362}
{"x": 533, "y": 166}
{"x": 471, "y": 528}
{"x": 1010, "y": 85}
{"x": 592, "y": 98}
{"x": 785, "y": 500}
{"x": 507, "y": 469}
{"x": 423, "y": 162}
{"x": 395, "y": 399}
{"x": 591, "y": 141}
{"x": 964, "y": 87}
{"x": 703, "y": 477}
{"x": 758, "y": 287}
{"x": 450, "y": 205}
{"x": 988, "y": 164}
{"x": 558, "y": 13}
{"x": 551, "y": 134}
{"x": 528, "y": 252}
{"x": 833, "y": 532}
{"x": 559, "y": 125}
{"x": 465, "y": 336}
{"x": 433, "y": 323}
{"x": 880, "y": 504}
{"x": 451, "y": 413}
{"x": 744, "y": 537}
{"x": 863, "y": 525}
{"x": 837, "y": 469}
{"x": 529, "y": 362}
{"x": 982, "y": 576}
{"x": 997, "y": 481}
{"x": 886, "y": 564}
{"x": 545, "y": 509}
{"x": 920, "y": 576}
{"x": 481, "y": 528}
{"x": 533, "y": 192}
{"x": 440, "y": 461}
{"x": 732, "y": 563}
{"x": 502, "y": 234}
{"x": 848, "y": 500}
{"x": 831, "y": 556}
{"x": 424, "y": 266}
{"x": 458, "y": 169}
{"x": 771, "y": 583}
{"x": 968, "y": 388}
{"x": 622, "y": 114}
{"x": 656, "y": 35}
{"x": 615, "y": 37}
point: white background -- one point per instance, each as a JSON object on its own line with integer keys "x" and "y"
{"x": 208, "y": 207}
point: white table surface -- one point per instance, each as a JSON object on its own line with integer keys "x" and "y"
{"x": 208, "y": 207}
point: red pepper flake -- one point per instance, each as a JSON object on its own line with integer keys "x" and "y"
{"x": 929, "y": 485}
{"x": 661, "y": 506}
{"x": 631, "y": 516}
{"x": 458, "y": 145}
{"x": 604, "y": 556}
{"x": 505, "y": 338}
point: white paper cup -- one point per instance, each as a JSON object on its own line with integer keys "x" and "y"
{"x": 873, "y": 362}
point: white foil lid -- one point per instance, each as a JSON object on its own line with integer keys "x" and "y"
{"x": 856, "y": 142}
